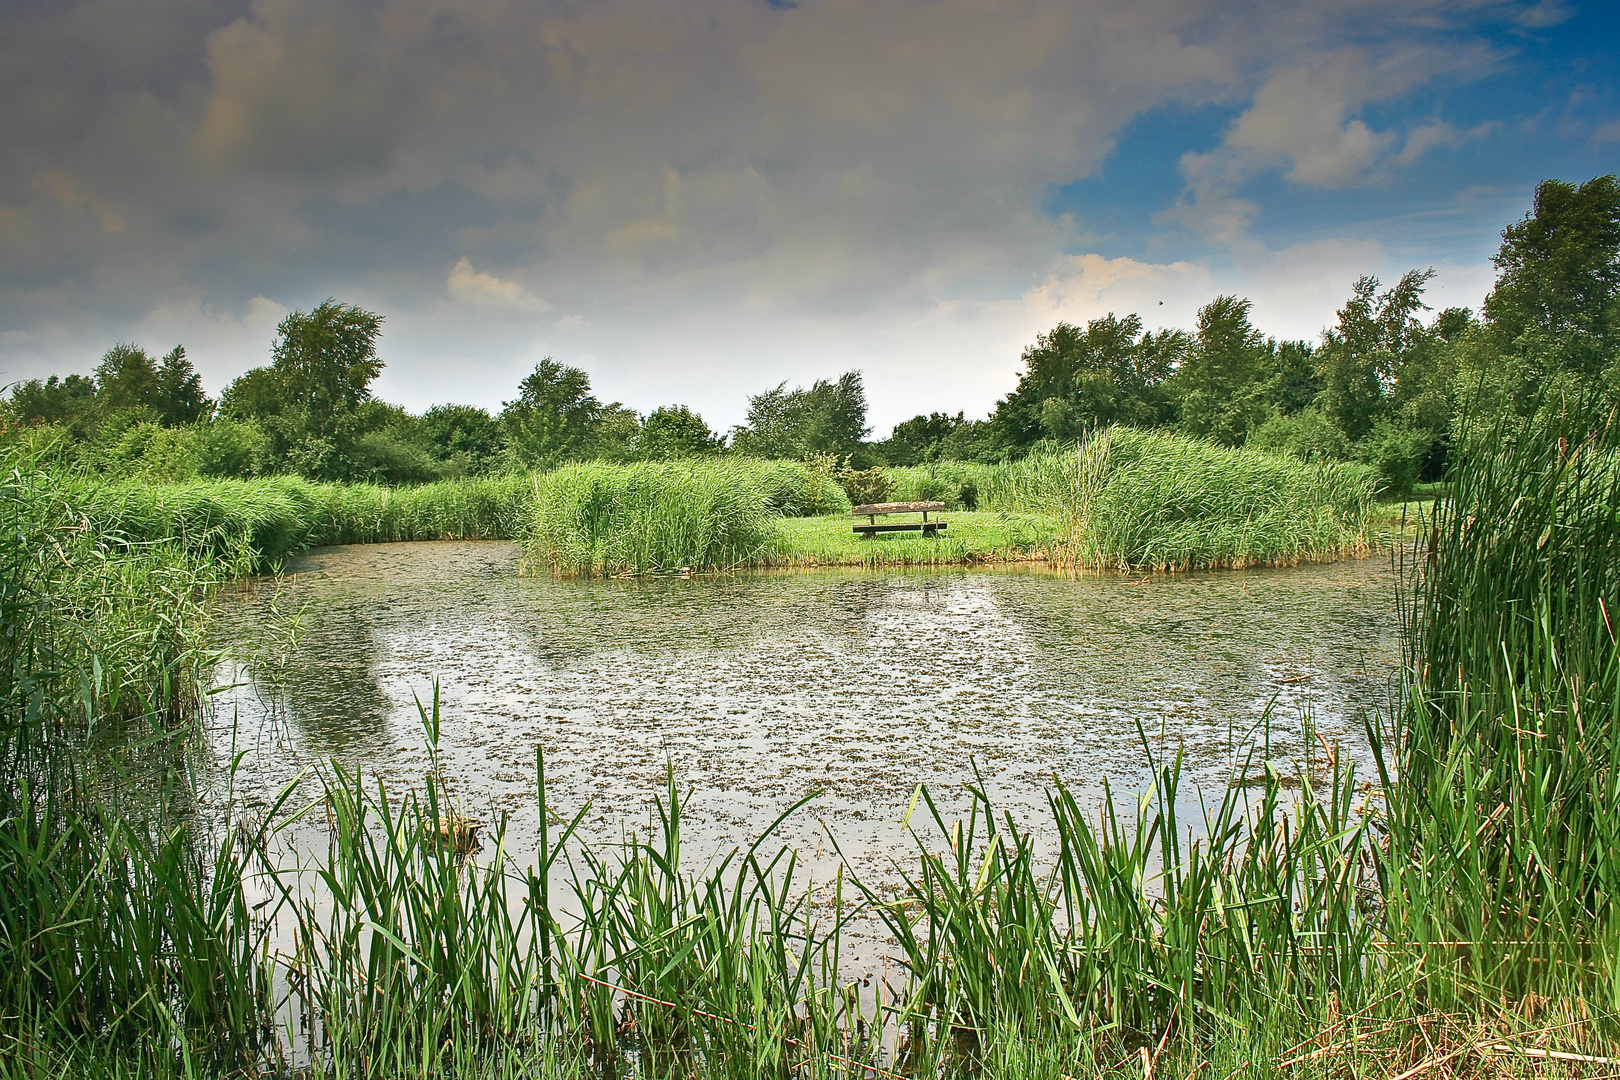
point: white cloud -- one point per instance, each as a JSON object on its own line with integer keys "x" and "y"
{"x": 488, "y": 291}
{"x": 220, "y": 344}
{"x": 1303, "y": 115}
{"x": 1609, "y": 131}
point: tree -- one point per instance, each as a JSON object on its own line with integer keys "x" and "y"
{"x": 178, "y": 394}
{"x": 1557, "y": 296}
{"x": 921, "y": 439}
{"x": 464, "y": 435}
{"x": 553, "y": 417}
{"x": 1295, "y": 380}
{"x": 69, "y": 402}
{"x": 325, "y": 360}
{"x": 1222, "y": 380}
{"x": 1075, "y": 380}
{"x": 828, "y": 418}
{"x": 1364, "y": 356}
{"x": 674, "y": 431}
{"x": 254, "y": 395}
{"x": 126, "y": 379}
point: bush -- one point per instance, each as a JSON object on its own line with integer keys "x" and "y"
{"x": 1306, "y": 435}
{"x": 1398, "y": 453}
{"x": 865, "y": 485}
{"x": 237, "y": 449}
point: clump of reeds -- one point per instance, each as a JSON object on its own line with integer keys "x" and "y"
{"x": 597, "y": 518}
{"x": 118, "y": 929}
{"x": 1504, "y": 837}
{"x": 1167, "y": 501}
{"x": 1154, "y": 500}
{"x": 252, "y": 525}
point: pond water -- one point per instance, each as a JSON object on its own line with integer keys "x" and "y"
{"x": 757, "y": 690}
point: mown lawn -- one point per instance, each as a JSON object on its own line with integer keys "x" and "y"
{"x": 970, "y": 537}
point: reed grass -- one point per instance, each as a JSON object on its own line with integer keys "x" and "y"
{"x": 1139, "y": 500}
{"x": 597, "y": 518}
{"x": 253, "y": 525}
{"x": 1505, "y": 841}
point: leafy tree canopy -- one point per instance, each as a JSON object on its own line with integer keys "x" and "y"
{"x": 674, "y": 431}
{"x": 1558, "y": 290}
{"x": 325, "y": 361}
{"x": 554, "y": 417}
{"x": 828, "y": 418}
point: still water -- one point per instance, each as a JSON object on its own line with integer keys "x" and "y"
{"x": 757, "y": 690}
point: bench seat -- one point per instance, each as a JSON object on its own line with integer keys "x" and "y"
{"x": 927, "y": 528}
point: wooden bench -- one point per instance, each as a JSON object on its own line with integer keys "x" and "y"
{"x": 871, "y": 511}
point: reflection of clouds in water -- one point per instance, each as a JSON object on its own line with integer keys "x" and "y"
{"x": 758, "y": 690}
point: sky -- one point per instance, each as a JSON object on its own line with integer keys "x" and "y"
{"x": 694, "y": 202}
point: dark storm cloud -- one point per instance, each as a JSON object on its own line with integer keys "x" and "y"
{"x": 519, "y": 170}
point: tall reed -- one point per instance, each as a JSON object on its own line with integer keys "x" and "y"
{"x": 1139, "y": 500}
{"x": 252, "y": 525}
{"x": 120, "y": 926}
{"x": 1505, "y": 840}
{"x": 597, "y": 518}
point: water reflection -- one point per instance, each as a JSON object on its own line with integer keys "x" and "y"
{"x": 759, "y": 689}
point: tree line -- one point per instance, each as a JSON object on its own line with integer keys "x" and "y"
{"x": 1384, "y": 385}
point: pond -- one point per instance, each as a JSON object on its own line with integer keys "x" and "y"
{"x": 757, "y": 690}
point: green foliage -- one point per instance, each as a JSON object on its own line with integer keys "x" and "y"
{"x": 66, "y": 402}
{"x": 1306, "y": 435}
{"x": 555, "y": 418}
{"x": 178, "y": 393}
{"x": 674, "y": 431}
{"x": 1557, "y": 297}
{"x": 865, "y": 486}
{"x": 229, "y": 448}
{"x": 921, "y": 439}
{"x": 1076, "y": 380}
{"x": 1365, "y": 355}
{"x": 324, "y": 362}
{"x": 466, "y": 438}
{"x": 828, "y": 418}
{"x": 1222, "y": 381}
{"x": 126, "y": 379}
{"x": 1399, "y": 454}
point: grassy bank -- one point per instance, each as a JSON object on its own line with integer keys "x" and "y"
{"x": 1124, "y": 500}
{"x": 971, "y": 538}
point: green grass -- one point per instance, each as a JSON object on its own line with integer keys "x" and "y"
{"x": 970, "y": 538}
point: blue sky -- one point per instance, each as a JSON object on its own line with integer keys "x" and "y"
{"x": 694, "y": 202}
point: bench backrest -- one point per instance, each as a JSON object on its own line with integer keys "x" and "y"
{"x": 896, "y": 508}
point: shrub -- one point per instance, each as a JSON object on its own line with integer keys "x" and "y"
{"x": 865, "y": 485}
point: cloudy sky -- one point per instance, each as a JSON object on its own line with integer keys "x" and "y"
{"x": 696, "y": 201}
